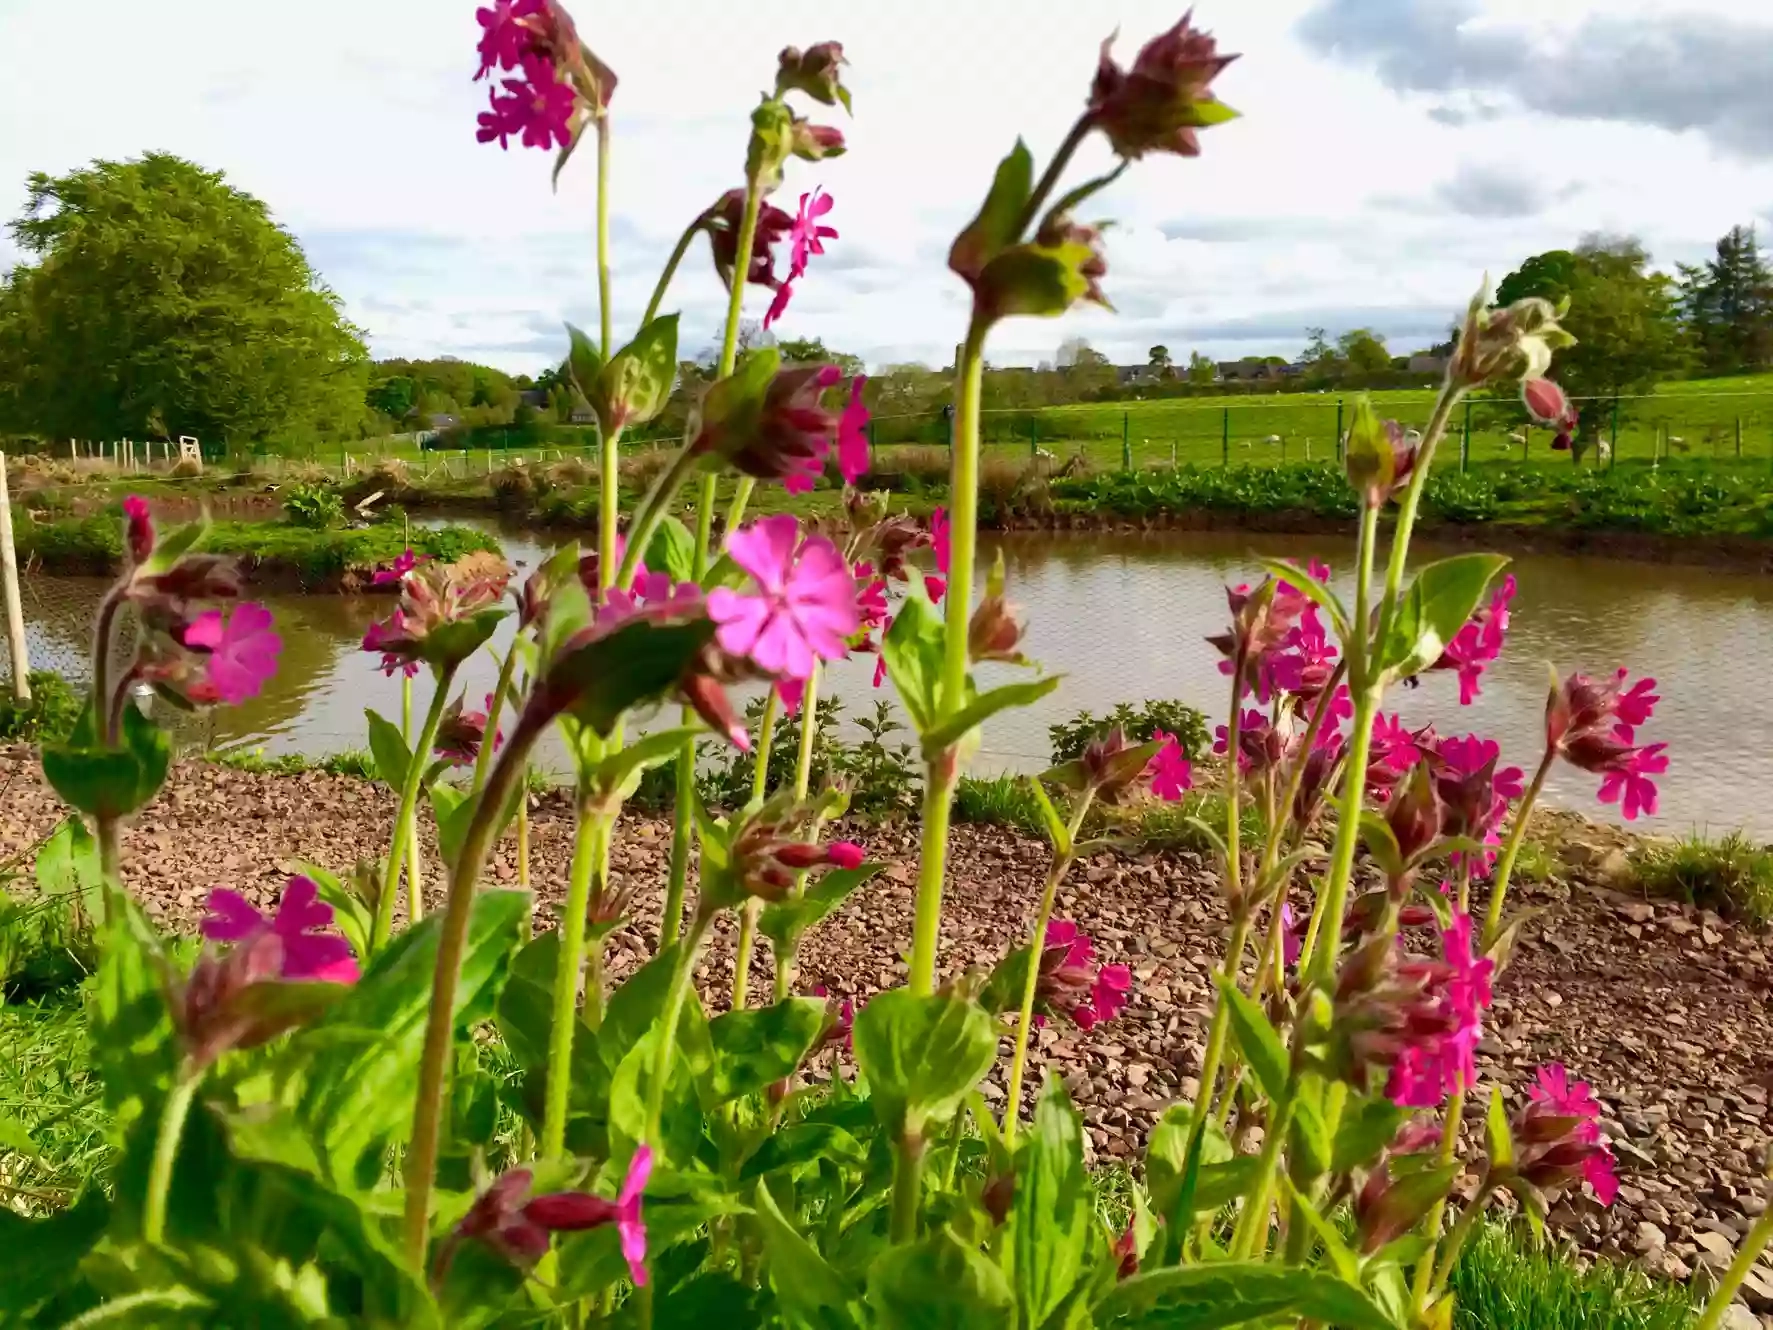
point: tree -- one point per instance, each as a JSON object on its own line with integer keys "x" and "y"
{"x": 1086, "y": 373}
{"x": 1158, "y": 358}
{"x": 810, "y": 350}
{"x": 157, "y": 299}
{"x": 394, "y": 397}
{"x": 1363, "y": 352}
{"x": 1320, "y": 359}
{"x": 1548, "y": 276}
{"x": 1728, "y": 305}
{"x": 1201, "y": 370}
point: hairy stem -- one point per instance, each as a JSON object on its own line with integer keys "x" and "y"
{"x": 907, "y": 1186}
{"x": 405, "y": 818}
{"x": 591, "y": 833}
{"x": 1050, "y": 177}
{"x": 684, "y": 241}
{"x": 1752, "y": 1246}
{"x": 1511, "y": 849}
{"x": 603, "y": 307}
{"x": 427, "y": 1126}
{"x": 166, "y": 1148}
{"x": 1012, "y": 1109}
{"x": 681, "y": 983}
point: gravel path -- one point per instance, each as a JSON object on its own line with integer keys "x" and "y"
{"x": 1664, "y": 1009}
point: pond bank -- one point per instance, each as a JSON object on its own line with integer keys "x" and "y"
{"x": 1663, "y": 1008}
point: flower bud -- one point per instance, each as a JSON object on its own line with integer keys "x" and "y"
{"x": 993, "y": 632}
{"x": 1167, "y": 95}
{"x": 1415, "y": 815}
{"x": 814, "y": 143}
{"x": 814, "y": 71}
{"x": 997, "y": 1197}
{"x": 138, "y": 532}
{"x": 724, "y": 221}
{"x": 1379, "y": 458}
{"x": 1545, "y": 401}
{"x": 768, "y": 423}
{"x": 1512, "y": 343}
{"x": 1061, "y": 266}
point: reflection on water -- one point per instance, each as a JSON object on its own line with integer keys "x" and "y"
{"x": 1122, "y": 617}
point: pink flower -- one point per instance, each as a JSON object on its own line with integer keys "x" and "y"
{"x": 1553, "y": 1087}
{"x": 940, "y": 540}
{"x": 1258, "y": 747}
{"x": 840, "y": 1021}
{"x": 791, "y": 692}
{"x": 1558, "y": 1136}
{"x": 539, "y": 105}
{"x": 306, "y": 954}
{"x": 1171, "y": 774}
{"x": 1593, "y": 725}
{"x": 1070, "y": 983}
{"x": 724, "y": 221}
{"x": 1292, "y": 935}
{"x": 508, "y": 1220}
{"x": 460, "y": 734}
{"x": 1479, "y": 642}
{"x": 396, "y": 572}
{"x": 1304, "y": 663}
{"x": 138, "y": 536}
{"x": 505, "y": 38}
{"x": 880, "y": 663}
{"x": 804, "y": 605}
{"x": 779, "y": 307}
{"x": 1441, "y": 1021}
{"x": 242, "y": 651}
{"x": 845, "y": 854}
{"x": 935, "y": 588}
{"x": 391, "y": 639}
{"x": 1630, "y": 778}
{"x": 852, "y": 434}
{"x": 806, "y": 238}
{"x": 1394, "y": 746}
{"x": 871, "y": 596}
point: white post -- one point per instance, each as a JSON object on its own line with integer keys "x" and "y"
{"x": 15, "y": 610}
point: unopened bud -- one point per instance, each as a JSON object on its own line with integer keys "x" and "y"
{"x": 814, "y": 143}
{"x": 815, "y": 71}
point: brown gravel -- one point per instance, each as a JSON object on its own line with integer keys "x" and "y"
{"x": 1663, "y": 1008}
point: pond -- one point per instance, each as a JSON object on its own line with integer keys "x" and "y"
{"x": 1123, "y": 617}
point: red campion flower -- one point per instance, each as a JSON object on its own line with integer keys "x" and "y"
{"x": 1593, "y": 725}
{"x": 1167, "y": 95}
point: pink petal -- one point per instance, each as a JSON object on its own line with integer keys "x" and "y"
{"x": 205, "y": 631}
{"x": 640, "y": 1169}
{"x": 301, "y": 908}
{"x": 231, "y": 917}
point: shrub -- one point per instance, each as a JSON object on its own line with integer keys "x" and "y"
{"x": 1069, "y": 737}
{"x": 47, "y": 716}
{"x": 1732, "y": 876}
{"x": 1461, "y": 496}
{"x": 186, "y": 467}
{"x": 313, "y": 507}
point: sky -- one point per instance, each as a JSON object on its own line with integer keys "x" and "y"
{"x": 1389, "y": 153}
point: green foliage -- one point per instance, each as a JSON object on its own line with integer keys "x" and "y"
{"x": 156, "y": 300}
{"x": 1731, "y": 875}
{"x": 351, "y": 762}
{"x": 314, "y": 507}
{"x": 1499, "y": 1283}
{"x": 1140, "y": 724}
{"x": 1319, "y": 490}
{"x": 48, "y": 716}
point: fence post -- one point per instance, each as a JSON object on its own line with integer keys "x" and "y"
{"x": 1615, "y": 444}
{"x": 15, "y": 610}
{"x": 1173, "y": 446}
{"x": 1339, "y": 430}
{"x": 1126, "y": 444}
{"x": 1526, "y": 440}
{"x": 1225, "y": 438}
{"x": 1465, "y": 438}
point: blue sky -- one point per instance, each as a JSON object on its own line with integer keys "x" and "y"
{"x": 1390, "y": 152}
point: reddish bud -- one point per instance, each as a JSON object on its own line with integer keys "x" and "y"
{"x": 138, "y": 529}
{"x": 814, "y": 143}
{"x": 815, "y": 71}
{"x": 1545, "y": 401}
{"x": 1166, "y": 96}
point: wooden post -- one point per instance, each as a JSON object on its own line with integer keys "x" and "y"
{"x": 15, "y": 610}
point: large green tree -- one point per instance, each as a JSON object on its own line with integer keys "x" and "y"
{"x": 1728, "y": 304}
{"x": 156, "y": 299}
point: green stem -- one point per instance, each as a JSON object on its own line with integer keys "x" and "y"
{"x": 494, "y": 709}
{"x": 907, "y": 1187}
{"x": 523, "y": 861}
{"x": 735, "y": 511}
{"x": 1752, "y": 1246}
{"x": 427, "y": 1125}
{"x": 941, "y": 771}
{"x": 1511, "y": 850}
{"x": 684, "y": 241}
{"x": 766, "y": 740}
{"x": 680, "y": 986}
{"x": 591, "y": 832}
{"x": 803, "y": 780}
{"x": 1252, "y": 1225}
{"x": 404, "y": 817}
{"x": 609, "y": 517}
{"x": 1456, "y": 1240}
{"x": 603, "y": 307}
{"x": 1012, "y": 1109}
{"x": 742, "y": 954}
{"x": 1055, "y": 168}
{"x": 166, "y": 1148}
{"x": 655, "y": 507}
{"x": 1333, "y": 899}
{"x": 1412, "y": 498}
{"x": 1431, "y": 1226}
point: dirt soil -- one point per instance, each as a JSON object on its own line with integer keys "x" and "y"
{"x": 1665, "y": 1010}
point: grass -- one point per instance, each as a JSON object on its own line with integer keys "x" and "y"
{"x": 1499, "y": 1284}
{"x": 54, "y": 1130}
{"x": 352, "y": 762}
{"x": 1731, "y": 875}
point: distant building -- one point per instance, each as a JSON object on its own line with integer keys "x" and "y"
{"x": 1427, "y": 364}
{"x": 583, "y": 415}
{"x": 442, "y": 420}
{"x": 534, "y": 397}
{"x": 1250, "y": 369}
{"x": 1137, "y": 374}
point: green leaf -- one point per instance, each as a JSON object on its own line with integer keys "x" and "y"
{"x": 802, "y": 1143}
{"x": 1052, "y": 1217}
{"x": 758, "y": 1047}
{"x": 638, "y": 662}
{"x": 1058, "y": 834}
{"x": 1034, "y": 279}
{"x": 1228, "y": 1293}
{"x": 912, "y": 649}
{"x": 636, "y": 1005}
{"x": 939, "y": 1283}
{"x": 634, "y": 387}
{"x": 1381, "y": 843}
{"x": 672, "y": 550}
{"x": 1261, "y": 1045}
{"x": 67, "y": 867}
{"x": 998, "y": 224}
{"x": 584, "y": 362}
{"x": 922, "y": 1054}
{"x": 985, "y": 706}
{"x": 1368, "y": 1125}
{"x": 40, "y": 1258}
{"x": 1497, "y": 1137}
{"x": 1168, "y": 1162}
{"x": 349, "y": 913}
{"x": 172, "y": 545}
{"x": 133, "y": 1043}
{"x": 388, "y": 746}
{"x": 1368, "y": 458}
{"x": 1439, "y": 601}
{"x": 1308, "y": 1139}
{"x": 1343, "y": 1261}
{"x": 1295, "y": 576}
{"x": 785, "y": 919}
{"x": 810, "y": 1291}
{"x": 451, "y": 643}
{"x": 619, "y": 774}
{"x": 1008, "y": 981}
{"x": 104, "y": 781}
{"x": 365, "y": 1054}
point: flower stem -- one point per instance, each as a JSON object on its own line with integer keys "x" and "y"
{"x": 494, "y": 708}
{"x": 1327, "y": 910}
{"x": 166, "y": 1148}
{"x": 803, "y": 779}
{"x": 1511, "y": 850}
{"x": 1055, "y": 168}
{"x": 941, "y": 771}
{"x": 735, "y": 511}
{"x": 427, "y": 1125}
{"x": 667, "y": 1030}
{"x": 603, "y": 309}
{"x": 1252, "y": 1224}
{"x": 1752, "y": 1246}
{"x": 1456, "y": 1240}
{"x": 405, "y": 819}
{"x": 907, "y": 1186}
{"x": 684, "y": 241}
{"x": 592, "y": 831}
{"x": 1012, "y": 1109}
{"x": 654, "y": 508}
{"x": 1406, "y": 510}
{"x": 766, "y": 740}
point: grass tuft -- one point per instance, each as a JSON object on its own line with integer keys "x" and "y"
{"x": 1500, "y": 1285}
{"x": 1732, "y": 876}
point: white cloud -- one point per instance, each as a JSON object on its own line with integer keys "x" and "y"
{"x": 1336, "y": 200}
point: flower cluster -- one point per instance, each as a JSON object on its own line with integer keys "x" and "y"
{"x": 1478, "y": 642}
{"x": 801, "y": 606}
{"x": 769, "y": 852}
{"x": 1160, "y": 103}
{"x": 1072, "y": 984}
{"x": 562, "y": 84}
{"x": 442, "y": 619}
{"x": 1558, "y": 1136}
{"x": 1593, "y": 725}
